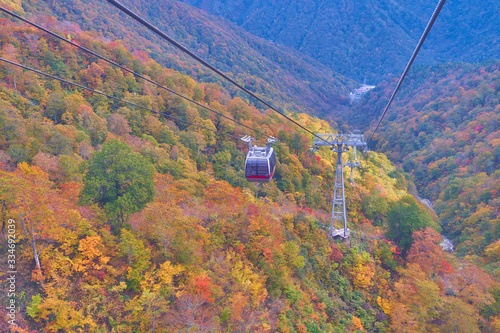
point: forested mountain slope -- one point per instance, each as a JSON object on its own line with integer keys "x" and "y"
{"x": 372, "y": 38}
{"x": 128, "y": 222}
{"x": 288, "y": 79}
{"x": 444, "y": 128}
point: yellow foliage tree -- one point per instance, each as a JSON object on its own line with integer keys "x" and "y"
{"x": 91, "y": 256}
{"x": 147, "y": 307}
{"x": 363, "y": 272}
{"x": 251, "y": 282}
{"x": 33, "y": 202}
{"x": 385, "y": 305}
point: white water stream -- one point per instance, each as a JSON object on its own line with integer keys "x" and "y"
{"x": 446, "y": 244}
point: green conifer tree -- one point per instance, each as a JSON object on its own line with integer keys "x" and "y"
{"x": 118, "y": 180}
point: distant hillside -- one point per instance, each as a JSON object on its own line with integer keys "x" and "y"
{"x": 290, "y": 80}
{"x": 444, "y": 128}
{"x": 371, "y": 38}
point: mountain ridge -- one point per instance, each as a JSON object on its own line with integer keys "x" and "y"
{"x": 381, "y": 38}
{"x": 276, "y": 73}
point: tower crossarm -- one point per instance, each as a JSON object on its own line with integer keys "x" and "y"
{"x": 350, "y": 139}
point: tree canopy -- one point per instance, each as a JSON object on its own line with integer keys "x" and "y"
{"x": 403, "y": 219}
{"x": 118, "y": 180}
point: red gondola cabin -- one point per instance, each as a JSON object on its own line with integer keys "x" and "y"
{"x": 260, "y": 163}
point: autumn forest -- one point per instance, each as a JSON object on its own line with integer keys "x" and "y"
{"x": 117, "y": 219}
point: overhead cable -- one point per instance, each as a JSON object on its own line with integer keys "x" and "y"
{"x": 113, "y": 97}
{"x": 194, "y": 56}
{"x": 125, "y": 68}
{"x": 415, "y": 52}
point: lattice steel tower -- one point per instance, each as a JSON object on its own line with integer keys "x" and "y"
{"x": 340, "y": 143}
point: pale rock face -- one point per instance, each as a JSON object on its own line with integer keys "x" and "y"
{"x": 446, "y": 244}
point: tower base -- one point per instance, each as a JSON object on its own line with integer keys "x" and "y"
{"x": 340, "y": 233}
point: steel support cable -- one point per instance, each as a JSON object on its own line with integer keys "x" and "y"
{"x": 415, "y": 52}
{"x": 194, "y": 56}
{"x": 113, "y": 97}
{"x": 124, "y": 68}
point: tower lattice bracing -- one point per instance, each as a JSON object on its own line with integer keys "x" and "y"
{"x": 338, "y": 210}
{"x": 340, "y": 143}
{"x": 353, "y": 164}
